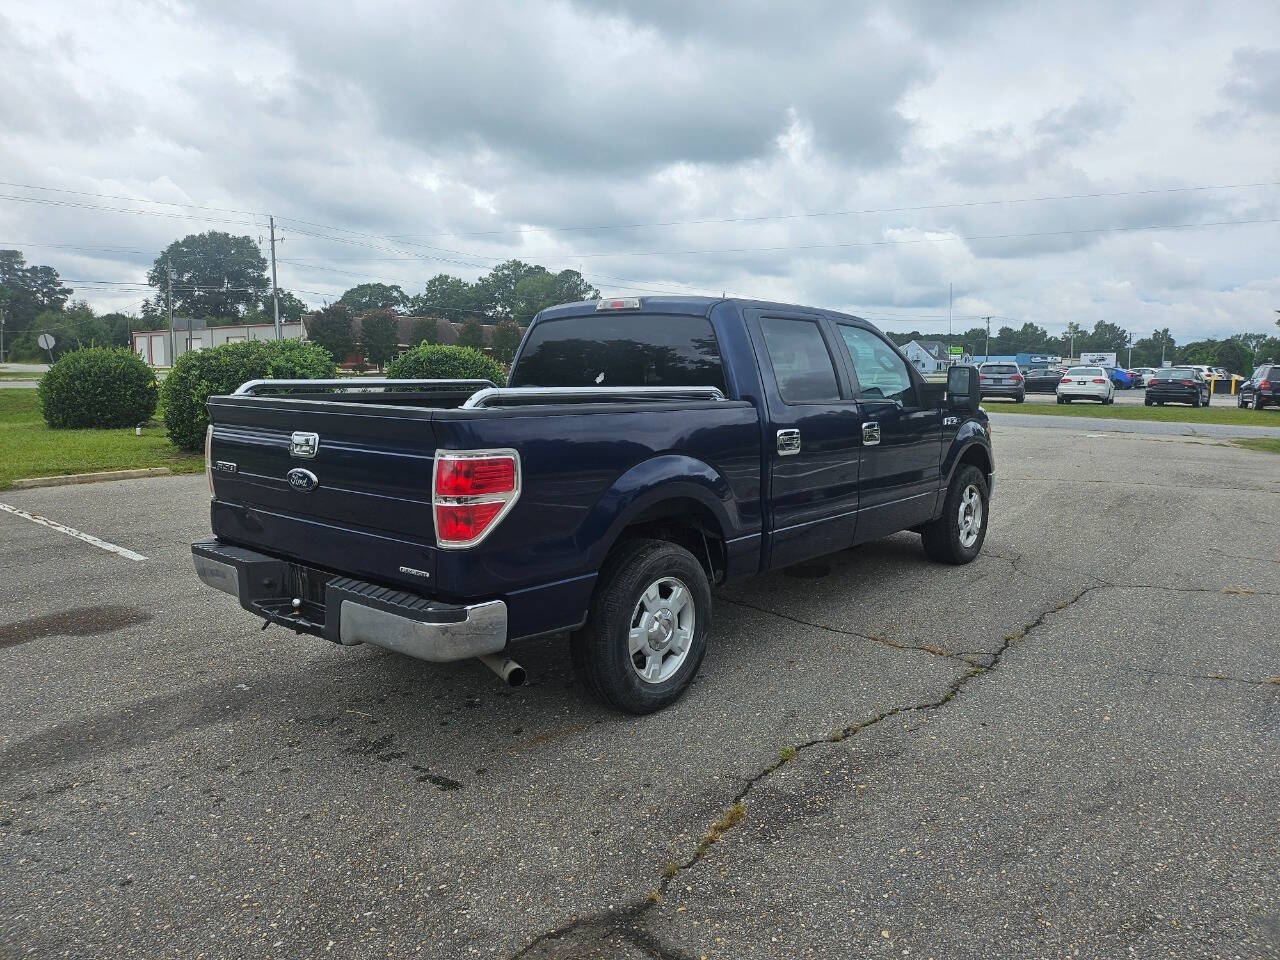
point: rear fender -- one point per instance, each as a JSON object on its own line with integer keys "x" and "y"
{"x": 670, "y": 477}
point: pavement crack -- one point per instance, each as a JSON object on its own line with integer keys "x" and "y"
{"x": 929, "y": 648}
{"x": 628, "y": 921}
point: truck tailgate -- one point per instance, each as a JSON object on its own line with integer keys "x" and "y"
{"x": 372, "y": 479}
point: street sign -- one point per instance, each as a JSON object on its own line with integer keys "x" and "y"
{"x": 955, "y": 351}
{"x": 46, "y": 341}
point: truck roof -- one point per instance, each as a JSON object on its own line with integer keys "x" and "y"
{"x": 691, "y": 305}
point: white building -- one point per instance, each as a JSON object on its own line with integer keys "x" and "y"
{"x": 927, "y": 356}
{"x": 153, "y": 345}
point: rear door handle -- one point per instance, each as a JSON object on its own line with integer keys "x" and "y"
{"x": 870, "y": 434}
{"x": 788, "y": 443}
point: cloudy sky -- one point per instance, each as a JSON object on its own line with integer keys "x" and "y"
{"x": 860, "y": 157}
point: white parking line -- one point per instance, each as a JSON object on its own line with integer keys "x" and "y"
{"x": 72, "y": 532}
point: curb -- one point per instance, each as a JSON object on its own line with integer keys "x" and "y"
{"x": 89, "y": 477}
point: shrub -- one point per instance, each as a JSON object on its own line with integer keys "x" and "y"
{"x": 200, "y": 374}
{"x": 98, "y": 387}
{"x": 434, "y": 361}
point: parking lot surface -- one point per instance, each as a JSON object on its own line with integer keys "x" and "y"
{"x": 1070, "y": 747}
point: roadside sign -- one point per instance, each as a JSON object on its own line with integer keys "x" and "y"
{"x": 1097, "y": 359}
{"x": 955, "y": 351}
{"x": 46, "y": 341}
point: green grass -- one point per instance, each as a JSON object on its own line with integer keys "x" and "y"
{"x": 1261, "y": 444}
{"x": 1223, "y": 410}
{"x": 30, "y": 449}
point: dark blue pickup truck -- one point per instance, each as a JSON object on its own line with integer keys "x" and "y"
{"x": 643, "y": 450}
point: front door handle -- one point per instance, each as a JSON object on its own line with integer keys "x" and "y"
{"x": 788, "y": 443}
{"x": 870, "y": 434}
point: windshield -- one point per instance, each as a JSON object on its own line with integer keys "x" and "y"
{"x": 1175, "y": 373}
{"x": 620, "y": 350}
{"x": 1085, "y": 372}
{"x": 999, "y": 368}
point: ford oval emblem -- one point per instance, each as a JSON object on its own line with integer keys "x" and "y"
{"x": 303, "y": 480}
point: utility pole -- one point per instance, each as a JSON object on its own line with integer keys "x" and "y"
{"x": 951, "y": 296}
{"x": 986, "y": 351}
{"x": 171, "y": 357}
{"x": 1130, "y": 344}
{"x": 275, "y": 289}
{"x": 1, "y": 334}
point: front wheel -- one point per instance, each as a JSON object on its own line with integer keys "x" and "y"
{"x": 956, "y": 537}
{"x": 647, "y": 632}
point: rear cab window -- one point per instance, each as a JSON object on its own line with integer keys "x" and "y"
{"x": 620, "y": 350}
{"x": 802, "y": 364}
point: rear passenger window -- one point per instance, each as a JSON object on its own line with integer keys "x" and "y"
{"x": 801, "y": 362}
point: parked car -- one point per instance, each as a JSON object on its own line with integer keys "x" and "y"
{"x": 645, "y": 449}
{"x": 1178, "y": 385}
{"x": 1086, "y": 383}
{"x": 1262, "y": 388}
{"x": 1142, "y": 375}
{"x": 1123, "y": 379}
{"x": 1042, "y": 379}
{"x": 1002, "y": 380}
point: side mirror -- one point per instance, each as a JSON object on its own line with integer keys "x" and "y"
{"x": 964, "y": 390}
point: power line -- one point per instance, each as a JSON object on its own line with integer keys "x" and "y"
{"x": 116, "y": 196}
{"x": 850, "y": 213}
{"x": 951, "y": 239}
{"x": 139, "y": 213}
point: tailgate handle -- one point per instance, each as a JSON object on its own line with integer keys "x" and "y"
{"x": 304, "y": 444}
{"x": 788, "y": 443}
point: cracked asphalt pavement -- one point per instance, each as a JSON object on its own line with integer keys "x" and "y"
{"x": 1069, "y": 748}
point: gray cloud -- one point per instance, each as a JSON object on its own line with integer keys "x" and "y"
{"x": 492, "y": 123}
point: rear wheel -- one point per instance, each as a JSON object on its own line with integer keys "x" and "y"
{"x": 1195, "y": 401}
{"x": 1208, "y": 398}
{"x": 1147, "y": 402}
{"x": 956, "y": 537}
{"x": 647, "y": 632}
{"x": 1257, "y": 401}
{"x": 1020, "y": 398}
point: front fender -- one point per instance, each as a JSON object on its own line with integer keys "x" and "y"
{"x": 972, "y": 433}
{"x": 653, "y": 481}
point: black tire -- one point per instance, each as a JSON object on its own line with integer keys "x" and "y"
{"x": 1020, "y": 398}
{"x": 1107, "y": 401}
{"x": 1195, "y": 401}
{"x": 941, "y": 538}
{"x": 1062, "y": 400}
{"x": 1258, "y": 402}
{"x": 600, "y": 650}
{"x": 1147, "y": 402}
{"x": 1066, "y": 399}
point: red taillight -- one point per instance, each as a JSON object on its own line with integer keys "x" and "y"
{"x": 1187, "y": 383}
{"x": 1016, "y": 378}
{"x": 1065, "y": 380}
{"x": 475, "y": 476}
{"x": 471, "y": 492}
{"x": 1099, "y": 380}
{"x": 1264, "y": 384}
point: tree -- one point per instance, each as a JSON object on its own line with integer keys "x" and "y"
{"x": 506, "y": 339}
{"x": 291, "y": 309}
{"x": 215, "y": 275}
{"x": 424, "y": 331}
{"x": 374, "y": 296}
{"x": 379, "y": 335}
{"x": 449, "y": 295}
{"x": 1234, "y": 356}
{"x": 331, "y": 328}
{"x": 26, "y": 291}
{"x": 570, "y": 287}
{"x": 498, "y": 286}
{"x": 471, "y": 334}
{"x": 1151, "y": 351}
{"x": 1106, "y": 337}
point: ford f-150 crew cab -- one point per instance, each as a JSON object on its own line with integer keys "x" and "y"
{"x": 643, "y": 450}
